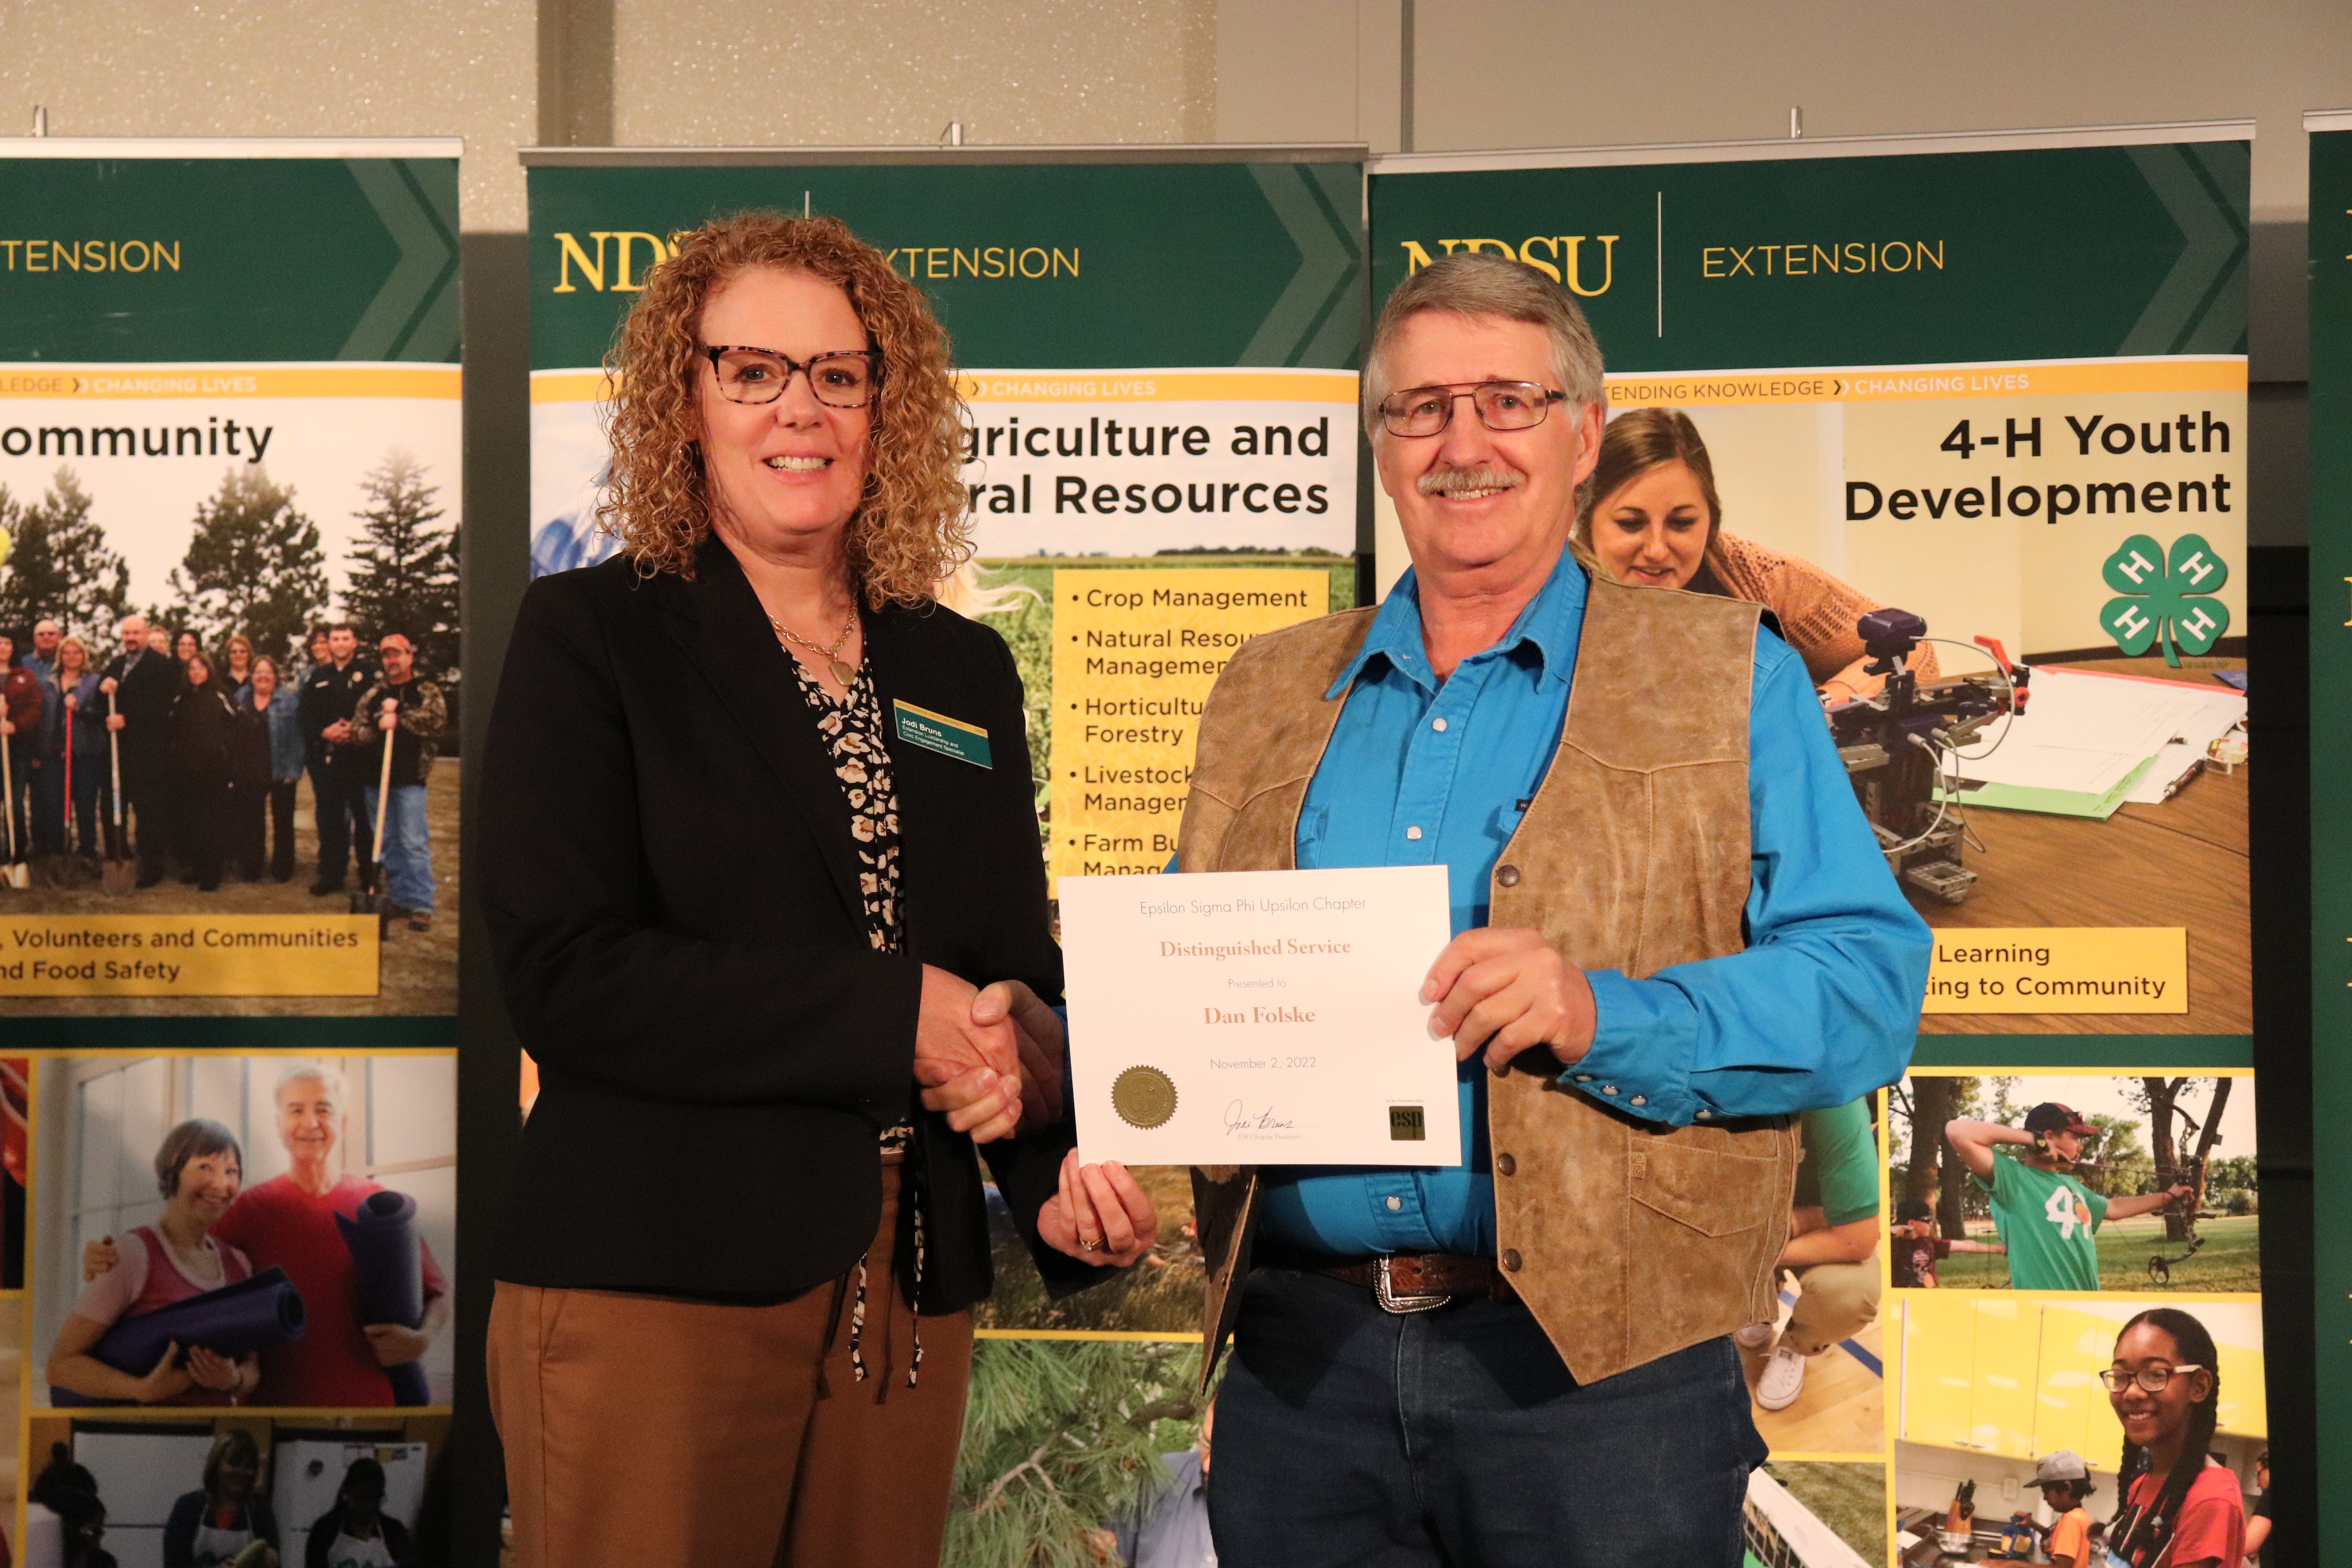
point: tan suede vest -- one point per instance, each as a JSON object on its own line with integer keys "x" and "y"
{"x": 1628, "y": 1239}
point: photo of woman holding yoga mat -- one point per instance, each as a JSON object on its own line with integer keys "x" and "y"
{"x": 327, "y": 1291}
{"x": 199, "y": 1170}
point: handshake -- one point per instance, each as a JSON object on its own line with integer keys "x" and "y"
{"x": 993, "y": 1060}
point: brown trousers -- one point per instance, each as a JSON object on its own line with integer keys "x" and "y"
{"x": 643, "y": 1432}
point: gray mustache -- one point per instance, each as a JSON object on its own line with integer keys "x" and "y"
{"x": 1484, "y": 476}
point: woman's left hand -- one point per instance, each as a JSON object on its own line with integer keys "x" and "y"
{"x": 1100, "y": 1215}
{"x": 212, "y": 1369}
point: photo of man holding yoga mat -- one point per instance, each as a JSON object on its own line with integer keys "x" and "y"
{"x": 258, "y": 1230}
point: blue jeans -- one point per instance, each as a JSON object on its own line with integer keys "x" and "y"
{"x": 1456, "y": 1438}
{"x": 406, "y": 853}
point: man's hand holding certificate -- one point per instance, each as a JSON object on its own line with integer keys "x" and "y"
{"x": 1259, "y": 1018}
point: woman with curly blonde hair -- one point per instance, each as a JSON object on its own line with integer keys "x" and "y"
{"x": 757, "y": 830}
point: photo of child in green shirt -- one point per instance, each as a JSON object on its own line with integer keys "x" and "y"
{"x": 2047, "y": 1218}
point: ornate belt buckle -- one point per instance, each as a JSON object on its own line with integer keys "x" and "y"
{"x": 1391, "y": 1301}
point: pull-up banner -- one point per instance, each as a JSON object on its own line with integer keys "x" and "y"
{"x": 1999, "y": 384}
{"x": 229, "y": 420}
{"x": 2331, "y": 789}
{"x": 229, "y": 417}
{"x": 1158, "y": 353}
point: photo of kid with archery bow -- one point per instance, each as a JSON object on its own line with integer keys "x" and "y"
{"x": 2075, "y": 1183}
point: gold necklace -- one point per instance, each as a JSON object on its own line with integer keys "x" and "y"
{"x": 841, "y": 673}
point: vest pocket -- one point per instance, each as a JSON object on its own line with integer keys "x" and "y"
{"x": 1712, "y": 1193}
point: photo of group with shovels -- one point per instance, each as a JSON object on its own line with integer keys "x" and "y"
{"x": 262, "y": 741}
{"x": 188, "y": 760}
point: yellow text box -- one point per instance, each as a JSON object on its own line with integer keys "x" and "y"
{"x": 1338, "y": 387}
{"x": 116, "y": 381}
{"x": 1160, "y": 386}
{"x": 1135, "y": 653}
{"x": 188, "y": 955}
{"x": 1895, "y": 384}
{"x": 2059, "y": 969}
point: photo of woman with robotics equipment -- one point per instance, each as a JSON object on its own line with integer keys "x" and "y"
{"x": 1653, "y": 519}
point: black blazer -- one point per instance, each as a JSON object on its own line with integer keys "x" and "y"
{"x": 671, "y": 893}
{"x": 144, "y": 691}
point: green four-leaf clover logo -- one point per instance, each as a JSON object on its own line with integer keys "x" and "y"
{"x": 2165, "y": 595}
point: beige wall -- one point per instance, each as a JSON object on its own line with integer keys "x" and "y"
{"x": 284, "y": 68}
{"x": 783, "y": 72}
{"x": 643, "y": 72}
{"x": 1689, "y": 71}
{"x": 1487, "y": 73}
{"x": 1310, "y": 71}
{"x": 1528, "y": 73}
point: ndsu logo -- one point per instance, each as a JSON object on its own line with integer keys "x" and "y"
{"x": 629, "y": 254}
{"x": 1559, "y": 257}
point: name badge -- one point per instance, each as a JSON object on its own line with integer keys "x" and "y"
{"x": 938, "y": 732}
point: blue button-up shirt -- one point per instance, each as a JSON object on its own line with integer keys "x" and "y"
{"x": 1819, "y": 1010}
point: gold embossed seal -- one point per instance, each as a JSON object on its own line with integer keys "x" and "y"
{"x": 1143, "y": 1097}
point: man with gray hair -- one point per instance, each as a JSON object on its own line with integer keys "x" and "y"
{"x": 1673, "y": 931}
{"x": 43, "y": 660}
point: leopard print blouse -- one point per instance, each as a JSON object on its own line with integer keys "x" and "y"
{"x": 852, "y": 732}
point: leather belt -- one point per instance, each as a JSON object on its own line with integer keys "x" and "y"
{"x": 1418, "y": 1282}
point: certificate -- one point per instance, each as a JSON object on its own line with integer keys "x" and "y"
{"x": 1259, "y": 1018}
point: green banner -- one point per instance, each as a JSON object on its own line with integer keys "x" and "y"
{"x": 2331, "y": 797}
{"x": 2055, "y": 253}
{"x": 1064, "y": 267}
{"x": 1156, "y": 360}
{"x": 164, "y": 261}
{"x": 230, "y": 417}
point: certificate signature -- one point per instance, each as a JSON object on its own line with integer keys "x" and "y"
{"x": 1241, "y": 1119}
